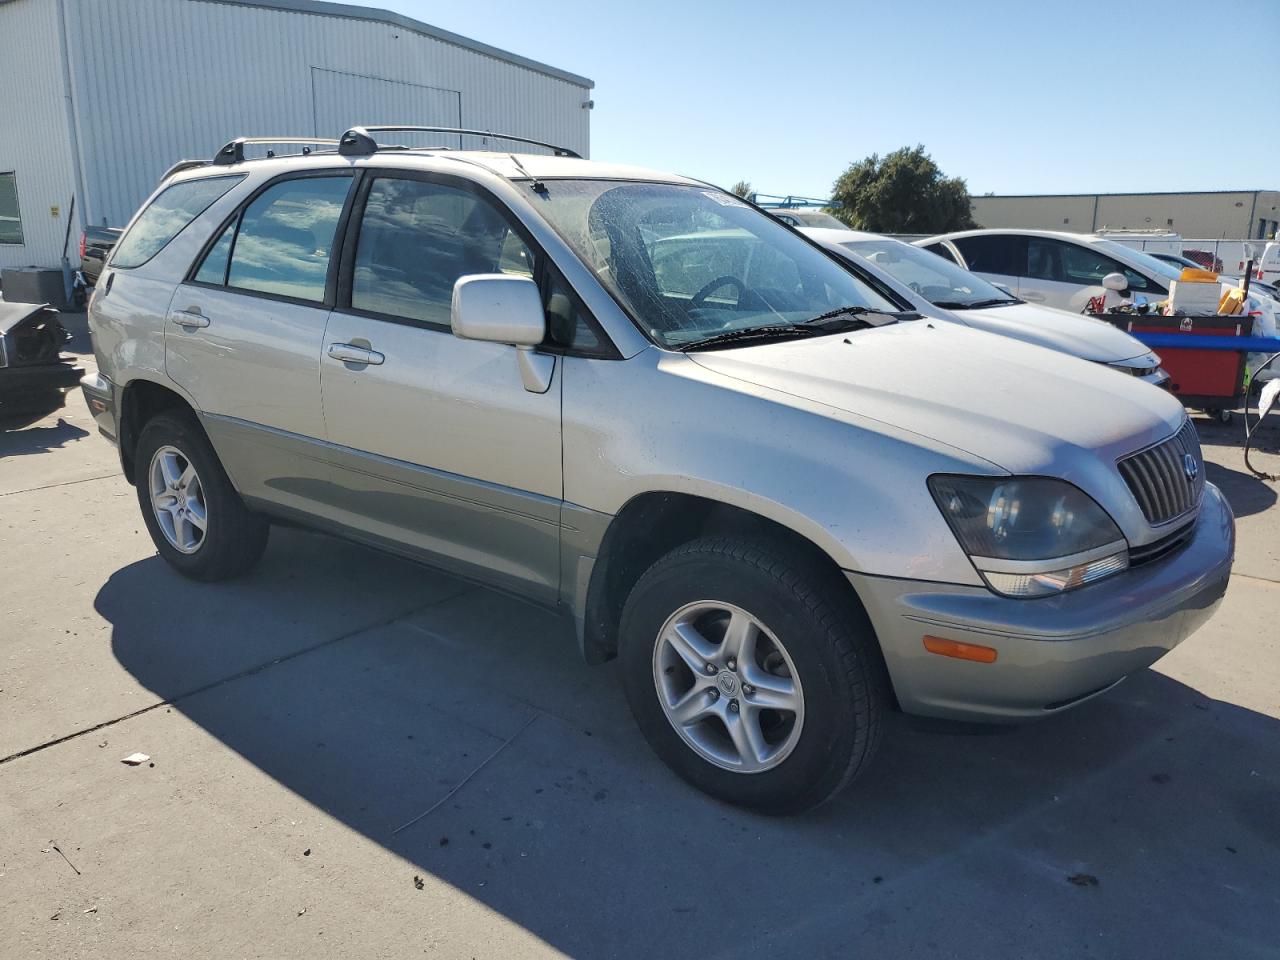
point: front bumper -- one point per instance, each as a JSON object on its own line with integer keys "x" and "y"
{"x": 1052, "y": 652}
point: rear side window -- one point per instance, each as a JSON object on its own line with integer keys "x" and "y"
{"x": 994, "y": 253}
{"x": 285, "y": 239}
{"x": 166, "y": 217}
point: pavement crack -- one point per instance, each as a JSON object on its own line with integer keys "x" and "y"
{"x": 1256, "y": 579}
{"x": 64, "y": 483}
{"x": 467, "y": 779}
{"x": 247, "y": 672}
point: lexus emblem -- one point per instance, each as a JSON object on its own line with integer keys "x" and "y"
{"x": 1190, "y": 467}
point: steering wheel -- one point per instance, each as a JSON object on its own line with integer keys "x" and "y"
{"x": 700, "y": 297}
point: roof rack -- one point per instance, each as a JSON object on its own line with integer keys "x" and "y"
{"x": 357, "y": 141}
{"x": 233, "y": 152}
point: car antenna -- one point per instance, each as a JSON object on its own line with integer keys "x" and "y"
{"x": 538, "y": 185}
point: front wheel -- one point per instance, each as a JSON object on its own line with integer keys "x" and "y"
{"x": 753, "y": 673}
{"x": 196, "y": 519}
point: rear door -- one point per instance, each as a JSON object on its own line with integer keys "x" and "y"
{"x": 999, "y": 257}
{"x": 245, "y": 331}
{"x": 437, "y": 447}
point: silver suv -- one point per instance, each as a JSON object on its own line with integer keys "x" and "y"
{"x": 785, "y": 506}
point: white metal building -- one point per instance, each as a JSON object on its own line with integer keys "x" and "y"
{"x": 99, "y": 97}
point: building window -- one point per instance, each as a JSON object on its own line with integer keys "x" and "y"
{"x": 10, "y": 218}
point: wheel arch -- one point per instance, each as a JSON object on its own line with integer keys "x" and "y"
{"x": 140, "y": 400}
{"x": 654, "y": 523}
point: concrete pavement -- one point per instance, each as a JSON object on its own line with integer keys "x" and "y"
{"x": 302, "y": 721}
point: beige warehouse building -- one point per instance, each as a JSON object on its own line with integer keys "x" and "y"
{"x": 1217, "y": 214}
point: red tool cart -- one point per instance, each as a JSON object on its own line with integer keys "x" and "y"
{"x": 1209, "y": 380}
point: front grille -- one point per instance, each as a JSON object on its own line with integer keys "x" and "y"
{"x": 1166, "y": 484}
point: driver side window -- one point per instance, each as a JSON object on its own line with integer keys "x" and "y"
{"x": 417, "y": 238}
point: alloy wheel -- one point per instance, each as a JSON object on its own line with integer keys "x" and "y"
{"x": 177, "y": 498}
{"x": 728, "y": 686}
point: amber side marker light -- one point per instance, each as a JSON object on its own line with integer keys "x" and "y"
{"x": 961, "y": 651}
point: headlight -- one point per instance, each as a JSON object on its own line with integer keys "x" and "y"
{"x": 1030, "y": 537}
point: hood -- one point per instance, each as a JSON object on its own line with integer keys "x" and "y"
{"x": 1020, "y": 407}
{"x": 1071, "y": 333}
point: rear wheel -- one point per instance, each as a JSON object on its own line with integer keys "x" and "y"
{"x": 752, "y": 673}
{"x": 197, "y": 521}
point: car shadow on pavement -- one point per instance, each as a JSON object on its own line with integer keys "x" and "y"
{"x": 542, "y": 801}
{"x": 1246, "y": 493}
{"x": 18, "y": 438}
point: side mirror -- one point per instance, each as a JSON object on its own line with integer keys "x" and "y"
{"x": 1116, "y": 281}
{"x": 499, "y": 308}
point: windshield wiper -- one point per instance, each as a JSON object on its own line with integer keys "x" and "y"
{"x": 846, "y": 312}
{"x": 974, "y": 304}
{"x": 776, "y": 331}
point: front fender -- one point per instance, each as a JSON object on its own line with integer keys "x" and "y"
{"x": 853, "y": 487}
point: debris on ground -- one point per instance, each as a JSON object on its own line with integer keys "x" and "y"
{"x": 53, "y": 845}
{"x": 93, "y": 909}
{"x": 302, "y": 911}
{"x": 135, "y": 759}
{"x": 418, "y": 882}
{"x": 1083, "y": 879}
{"x": 306, "y": 852}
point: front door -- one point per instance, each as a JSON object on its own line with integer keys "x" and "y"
{"x": 1068, "y": 275}
{"x": 244, "y": 337}
{"x": 437, "y": 447}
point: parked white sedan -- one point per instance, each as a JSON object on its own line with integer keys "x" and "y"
{"x": 938, "y": 287}
{"x": 1065, "y": 270}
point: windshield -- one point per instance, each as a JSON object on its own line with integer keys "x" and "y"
{"x": 689, "y": 263}
{"x": 935, "y": 278}
{"x": 1142, "y": 260}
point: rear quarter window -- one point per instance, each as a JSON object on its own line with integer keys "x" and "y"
{"x": 166, "y": 217}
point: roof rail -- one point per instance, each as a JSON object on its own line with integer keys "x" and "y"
{"x": 183, "y": 165}
{"x": 357, "y": 141}
{"x": 233, "y": 152}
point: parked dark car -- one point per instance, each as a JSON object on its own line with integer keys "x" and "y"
{"x": 32, "y": 368}
{"x": 95, "y": 245}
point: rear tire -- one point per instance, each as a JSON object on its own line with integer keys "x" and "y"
{"x": 198, "y": 522}
{"x": 798, "y": 718}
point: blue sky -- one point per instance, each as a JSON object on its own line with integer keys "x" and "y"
{"x": 1016, "y": 97}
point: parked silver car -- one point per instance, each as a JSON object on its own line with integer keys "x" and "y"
{"x": 784, "y": 505}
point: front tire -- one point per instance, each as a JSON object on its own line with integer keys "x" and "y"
{"x": 753, "y": 673}
{"x": 198, "y": 522}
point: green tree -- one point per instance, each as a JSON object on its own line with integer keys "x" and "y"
{"x": 902, "y": 192}
{"x": 742, "y": 189}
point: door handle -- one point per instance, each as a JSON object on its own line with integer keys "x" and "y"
{"x": 189, "y": 319}
{"x": 350, "y": 353}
